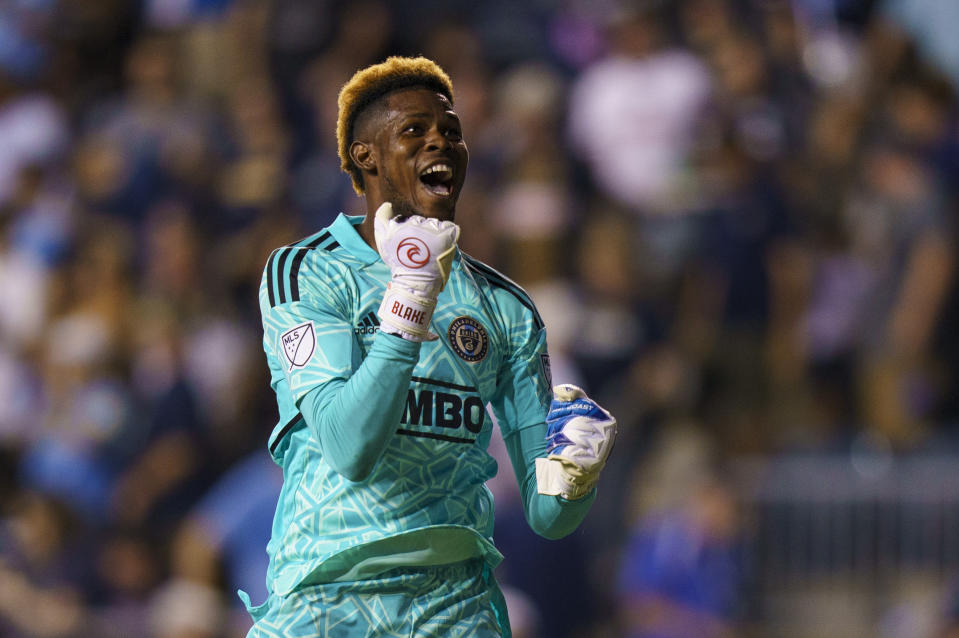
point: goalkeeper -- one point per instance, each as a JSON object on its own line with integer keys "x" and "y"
{"x": 386, "y": 344}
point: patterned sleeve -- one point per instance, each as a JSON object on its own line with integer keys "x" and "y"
{"x": 306, "y": 330}
{"x": 524, "y": 392}
{"x": 524, "y": 386}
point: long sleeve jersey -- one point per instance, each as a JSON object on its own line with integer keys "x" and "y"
{"x": 383, "y": 441}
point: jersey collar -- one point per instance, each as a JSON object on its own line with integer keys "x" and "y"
{"x": 344, "y": 231}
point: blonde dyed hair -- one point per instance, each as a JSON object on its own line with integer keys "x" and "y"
{"x": 370, "y": 84}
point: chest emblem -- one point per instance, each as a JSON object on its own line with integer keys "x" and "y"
{"x": 469, "y": 339}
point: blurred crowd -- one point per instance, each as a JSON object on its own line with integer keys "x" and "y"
{"x": 736, "y": 216}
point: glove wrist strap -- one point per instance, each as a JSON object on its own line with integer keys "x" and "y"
{"x": 406, "y": 314}
{"x": 553, "y": 479}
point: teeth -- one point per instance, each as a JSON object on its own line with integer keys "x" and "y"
{"x": 439, "y": 168}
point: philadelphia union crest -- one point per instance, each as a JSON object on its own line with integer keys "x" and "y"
{"x": 469, "y": 339}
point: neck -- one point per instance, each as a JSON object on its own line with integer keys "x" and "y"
{"x": 365, "y": 229}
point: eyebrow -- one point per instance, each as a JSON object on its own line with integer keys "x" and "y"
{"x": 451, "y": 114}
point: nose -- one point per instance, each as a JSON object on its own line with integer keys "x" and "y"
{"x": 436, "y": 141}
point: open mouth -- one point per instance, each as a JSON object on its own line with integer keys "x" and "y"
{"x": 438, "y": 179}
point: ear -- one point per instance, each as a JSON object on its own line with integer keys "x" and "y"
{"x": 362, "y": 155}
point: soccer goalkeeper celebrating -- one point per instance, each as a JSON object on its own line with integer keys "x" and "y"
{"x": 386, "y": 344}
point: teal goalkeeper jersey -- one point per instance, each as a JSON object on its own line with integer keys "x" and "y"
{"x": 424, "y": 502}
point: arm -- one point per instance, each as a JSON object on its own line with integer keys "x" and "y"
{"x": 521, "y": 406}
{"x": 549, "y": 516}
{"x": 353, "y": 419}
{"x": 352, "y": 406}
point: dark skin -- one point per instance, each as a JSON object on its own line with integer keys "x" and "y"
{"x": 409, "y": 146}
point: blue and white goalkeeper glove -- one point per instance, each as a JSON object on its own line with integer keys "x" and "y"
{"x": 579, "y": 436}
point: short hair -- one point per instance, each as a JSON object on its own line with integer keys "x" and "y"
{"x": 370, "y": 84}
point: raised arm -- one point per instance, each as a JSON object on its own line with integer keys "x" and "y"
{"x": 351, "y": 403}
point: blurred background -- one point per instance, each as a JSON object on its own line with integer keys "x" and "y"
{"x": 737, "y": 217}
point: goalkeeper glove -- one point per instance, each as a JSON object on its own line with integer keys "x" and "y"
{"x": 579, "y": 435}
{"x": 419, "y": 252}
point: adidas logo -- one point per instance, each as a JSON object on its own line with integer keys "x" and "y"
{"x": 369, "y": 325}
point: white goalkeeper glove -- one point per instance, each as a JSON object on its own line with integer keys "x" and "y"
{"x": 579, "y": 435}
{"x": 419, "y": 252}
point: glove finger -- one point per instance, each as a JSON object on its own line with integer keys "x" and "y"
{"x": 384, "y": 213}
{"x": 381, "y": 223}
{"x": 568, "y": 392}
{"x": 558, "y": 446}
{"x": 445, "y": 262}
{"x": 554, "y": 425}
{"x": 558, "y": 438}
{"x": 445, "y": 230}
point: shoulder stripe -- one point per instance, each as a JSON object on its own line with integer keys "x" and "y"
{"x": 280, "y": 267}
{"x": 269, "y": 277}
{"x": 502, "y": 281}
{"x": 282, "y": 286}
{"x": 315, "y": 241}
{"x": 294, "y": 276}
{"x": 498, "y": 278}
